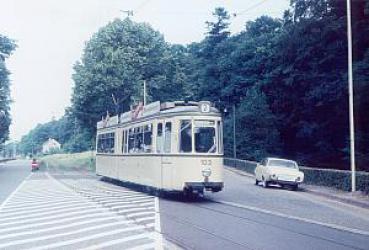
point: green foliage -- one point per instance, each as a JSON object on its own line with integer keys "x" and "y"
{"x": 6, "y": 48}
{"x": 118, "y": 58}
{"x": 258, "y": 127}
{"x": 67, "y": 131}
{"x": 300, "y": 65}
{"x": 287, "y": 78}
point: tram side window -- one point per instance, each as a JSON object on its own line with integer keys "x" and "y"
{"x": 105, "y": 143}
{"x": 125, "y": 142}
{"x": 147, "y": 139}
{"x": 186, "y": 136}
{"x": 131, "y": 140}
{"x": 168, "y": 137}
{"x": 139, "y": 140}
{"x": 159, "y": 138}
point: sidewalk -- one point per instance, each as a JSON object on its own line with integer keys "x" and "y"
{"x": 356, "y": 199}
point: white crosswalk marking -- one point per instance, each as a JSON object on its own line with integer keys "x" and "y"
{"x": 78, "y": 213}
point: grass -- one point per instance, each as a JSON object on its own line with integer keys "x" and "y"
{"x": 84, "y": 160}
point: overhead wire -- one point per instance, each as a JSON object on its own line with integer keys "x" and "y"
{"x": 236, "y": 14}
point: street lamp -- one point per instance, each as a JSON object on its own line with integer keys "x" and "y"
{"x": 351, "y": 99}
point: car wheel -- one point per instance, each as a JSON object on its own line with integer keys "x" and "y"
{"x": 256, "y": 182}
{"x": 265, "y": 184}
{"x": 294, "y": 187}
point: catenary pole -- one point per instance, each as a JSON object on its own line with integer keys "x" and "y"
{"x": 351, "y": 98}
{"x": 234, "y": 132}
{"x": 144, "y": 93}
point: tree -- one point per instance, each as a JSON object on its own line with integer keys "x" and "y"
{"x": 118, "y": 58}
{"x": 7, "y": 46}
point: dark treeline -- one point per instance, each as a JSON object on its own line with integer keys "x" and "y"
{"x": 286, "y": 77}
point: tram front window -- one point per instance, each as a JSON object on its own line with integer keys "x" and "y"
{"x": 205, "y": 137}
{"x": 186, "y": 136}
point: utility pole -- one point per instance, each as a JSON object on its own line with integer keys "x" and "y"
{"x": 234, "y": 132}
{"x": 351, "y": 98}
{"x": 144, "y": 94}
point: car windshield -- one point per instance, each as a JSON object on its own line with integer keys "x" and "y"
{"x": 282, "y": 163}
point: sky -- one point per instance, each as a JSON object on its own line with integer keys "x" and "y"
{"x": 51, "y": 34}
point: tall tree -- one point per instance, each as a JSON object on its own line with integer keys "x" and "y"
{"x": 116, "y": 61}
{"x": 7, "y": 46}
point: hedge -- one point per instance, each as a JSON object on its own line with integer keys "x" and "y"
{"x": 340, "y": 179}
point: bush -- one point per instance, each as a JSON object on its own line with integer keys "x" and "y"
{"x": 339, "y": 179}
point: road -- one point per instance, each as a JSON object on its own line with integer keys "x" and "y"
{"x": 70, "y": 210}
{"x": 12, "y": 173}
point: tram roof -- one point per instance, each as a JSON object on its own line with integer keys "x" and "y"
{"x": 156, "y": 109}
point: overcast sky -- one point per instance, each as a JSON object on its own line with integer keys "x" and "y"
{"x": 51, "y": 34}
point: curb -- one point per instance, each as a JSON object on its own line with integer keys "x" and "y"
{"x": 340, "y": 199}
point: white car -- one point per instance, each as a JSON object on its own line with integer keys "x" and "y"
{"x": 278, "y": 171}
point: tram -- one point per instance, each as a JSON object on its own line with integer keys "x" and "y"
{"x": 171, "y": 146}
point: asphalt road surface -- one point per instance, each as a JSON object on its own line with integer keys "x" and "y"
{"x": 75, "y": 210}
{"x": 12, "y": 173}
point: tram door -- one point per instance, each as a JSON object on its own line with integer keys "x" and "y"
{"x": 163, "y": 147}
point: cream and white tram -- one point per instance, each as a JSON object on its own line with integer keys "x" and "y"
{"x": 173, "y": 146}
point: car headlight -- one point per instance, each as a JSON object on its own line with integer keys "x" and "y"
{"x": 206, "y": 172}
{"x": 274, "y": 176}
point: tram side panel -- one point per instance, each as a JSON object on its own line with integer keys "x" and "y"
{"x": 143, "y": 170}
{"x": 106, "y": 165}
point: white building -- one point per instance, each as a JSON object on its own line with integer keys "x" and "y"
{"x": 51, "y": 145}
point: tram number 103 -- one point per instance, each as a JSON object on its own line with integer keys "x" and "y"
{"x": 206, "y": 162}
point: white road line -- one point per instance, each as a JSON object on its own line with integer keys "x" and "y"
{"x": 43, "y": 205}
{"x": 46, "y": 237}
{"x": 107, "y": 199}
{"x": 90, "y": 237}
{"x": 142, "y": 247}
{"x": 152, "y": 213}
{"x": 145, "y": 218}
{"x": 15, "y": 191}
{"x": 44, "y": 209}
{"x": 34, "y": 225}
{"x": 48, "y": 212}
{"x": 33, "y": 231}
{"x": 37, "y": 201}
{"x": 158, "y": 235}
{"x": 130, "y": 203}
{"x": 55, "y": 217}
{"x": 119, "y": 241}
{"x": 137, "y": 209}
{"x": 39, "y": 193}
{"x": 333, "y": 226}
{"x": 105, "y": 195}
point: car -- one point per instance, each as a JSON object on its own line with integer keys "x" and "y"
{"x": 278, "y": 171}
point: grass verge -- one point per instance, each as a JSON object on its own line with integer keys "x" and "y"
{"x": 81, "y": 161}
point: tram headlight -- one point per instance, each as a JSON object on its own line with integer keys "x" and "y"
{"x": 206, "y": 172}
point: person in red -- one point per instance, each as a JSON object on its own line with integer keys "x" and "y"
{"x": 34, "y": 164}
